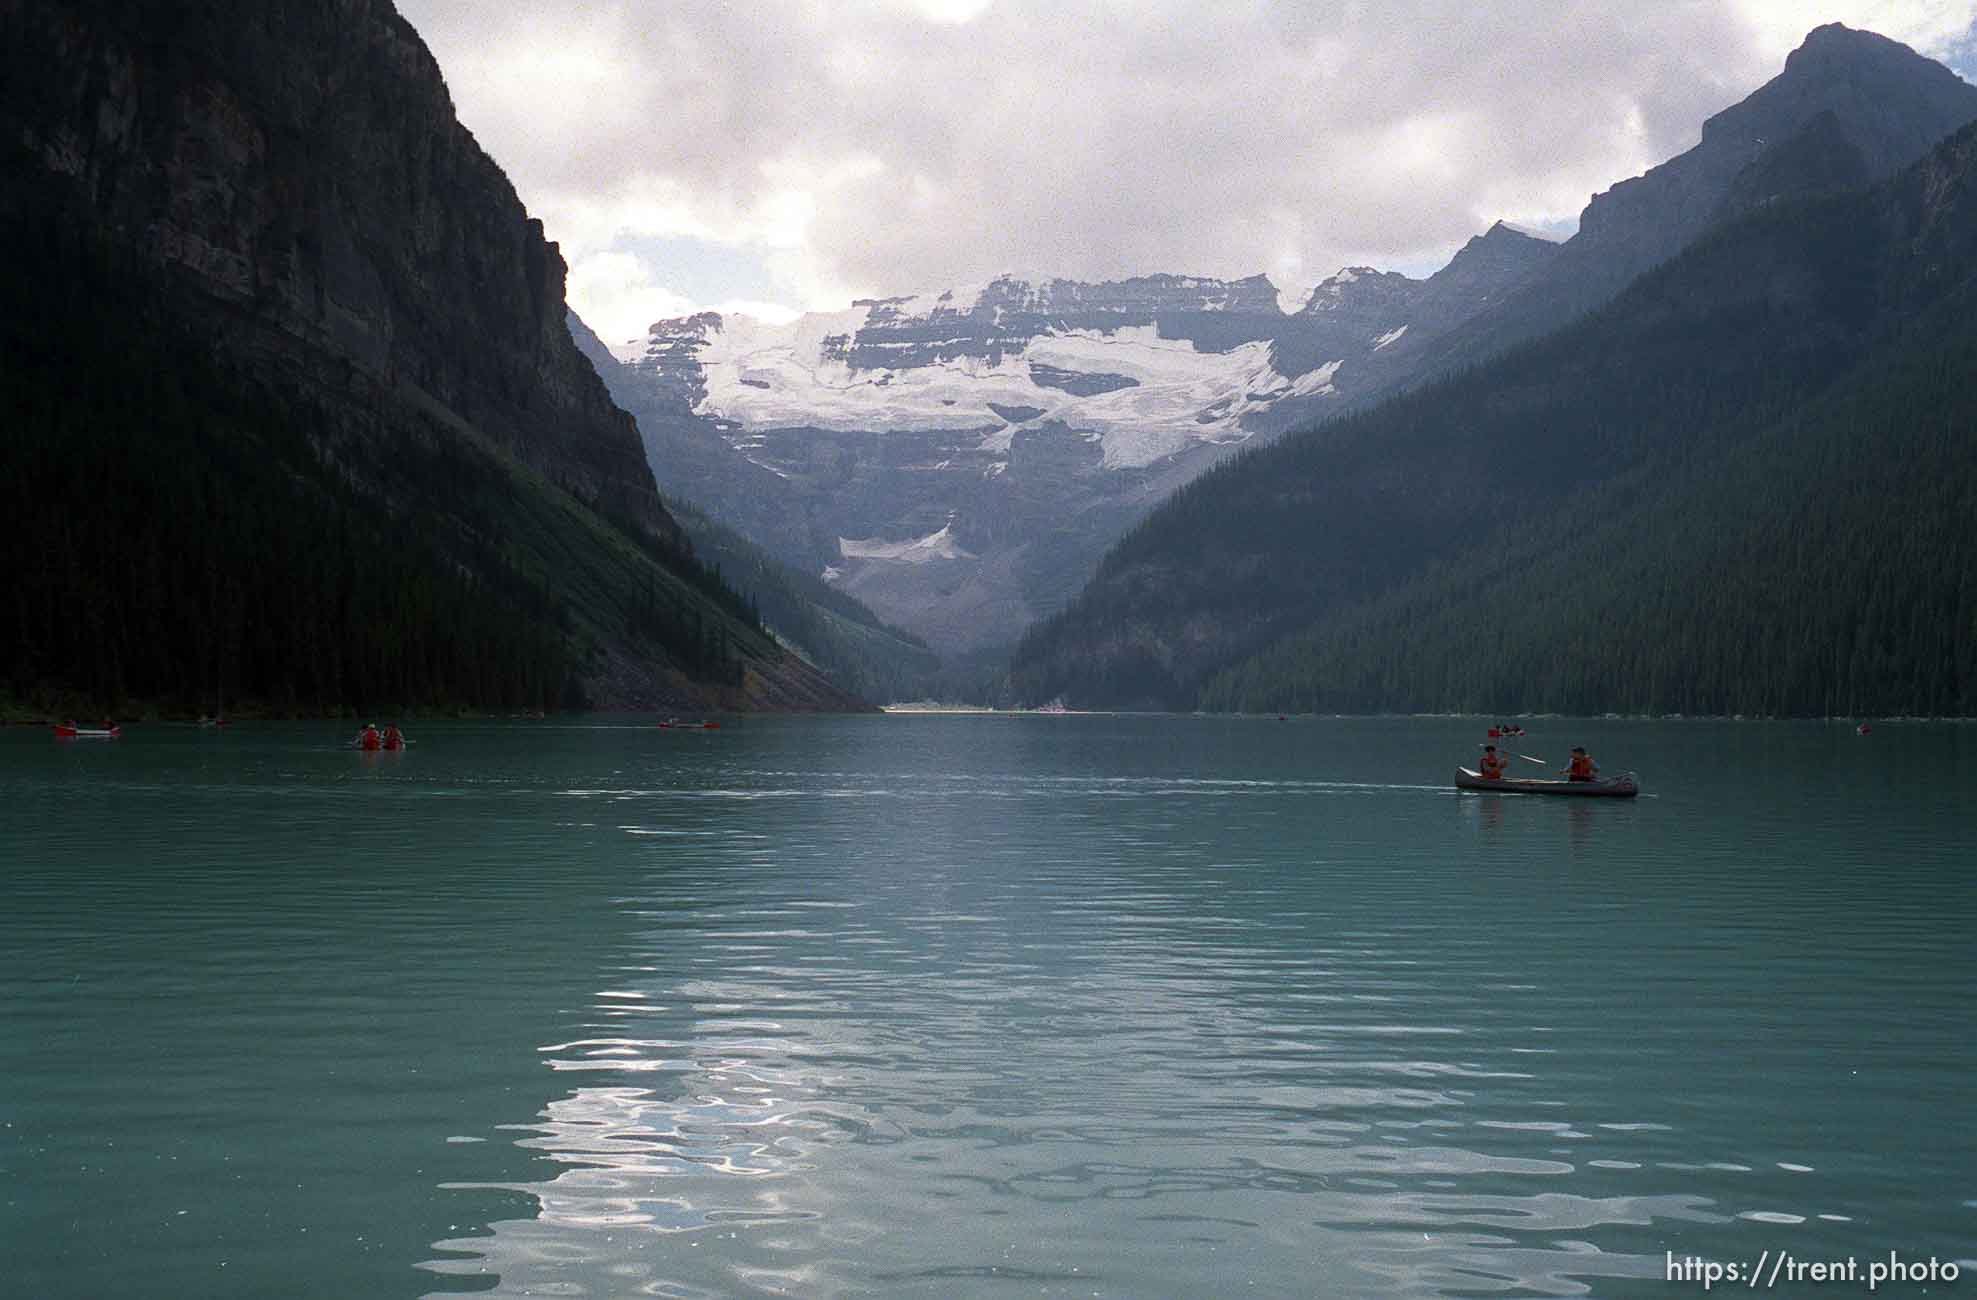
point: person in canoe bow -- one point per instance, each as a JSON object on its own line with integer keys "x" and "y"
{"x": 1582, "y": 767}
{"x": 1492, "y": 764}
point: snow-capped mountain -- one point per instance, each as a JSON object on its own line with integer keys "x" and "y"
{"x": 960, "y": 459}
{"x": 1144, "y": 368}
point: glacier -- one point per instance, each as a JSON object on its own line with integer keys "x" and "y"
{"x": 1159, "y": 394}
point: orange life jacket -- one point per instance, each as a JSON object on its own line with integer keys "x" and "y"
{"x": 1582, "y": 767}
{"x": 369, "y": 740}
{"x": 1492, "y": 765}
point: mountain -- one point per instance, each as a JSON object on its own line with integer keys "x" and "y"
{"x": 1409, "y": 315}
{"x": 1748, "y": 484}
{"x": 296, "y": 418}
{"x": 958, "y": 460}
{"x": 1848, "y": 108}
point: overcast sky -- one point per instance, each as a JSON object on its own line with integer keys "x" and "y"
{"x": 794, "y": 155}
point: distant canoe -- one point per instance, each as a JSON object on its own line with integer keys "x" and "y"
{"x": 65, "y": 732}
{"x": 1620, "y": 787}
{"x": 676, "y": 725}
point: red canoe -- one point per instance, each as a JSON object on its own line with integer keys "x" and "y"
{"x": 67, "y": 732}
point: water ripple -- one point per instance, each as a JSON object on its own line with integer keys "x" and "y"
{"x": 1146, "y": 1006}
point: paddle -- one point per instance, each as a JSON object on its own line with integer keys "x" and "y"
{"x": 1526, "y": 757}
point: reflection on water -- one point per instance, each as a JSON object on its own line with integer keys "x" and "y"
{"x": 936, "y": 1006}
{"x": 1164, "y": 1034}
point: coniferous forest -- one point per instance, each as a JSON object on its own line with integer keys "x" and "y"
{"x": 1829, "y": 569}
{"x": 831, "y": 628}
{"x": 187, "y": 540}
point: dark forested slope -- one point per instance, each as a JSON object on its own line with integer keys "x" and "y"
{"x": 1828, "y": 567}
{"x": 1803, "y": 364}
{"x": 828, "y": 627}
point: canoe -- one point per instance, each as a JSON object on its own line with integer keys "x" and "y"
{"x": 1618, "y": 787}
{"x": 67, "y": 732}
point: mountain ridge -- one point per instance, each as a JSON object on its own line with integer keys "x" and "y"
{"x": 1875, "y": 106}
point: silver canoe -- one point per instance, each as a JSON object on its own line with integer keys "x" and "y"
{"x": 1618, "y": 787}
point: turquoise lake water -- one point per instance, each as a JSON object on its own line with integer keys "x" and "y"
{"x": 979, "y": 1006}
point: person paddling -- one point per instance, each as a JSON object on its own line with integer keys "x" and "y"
{"x": 368, "y": 738}
{"x": 393, "y": 737}
{"x": 1582, "y": 767}
{"x": 1493, "y": 764}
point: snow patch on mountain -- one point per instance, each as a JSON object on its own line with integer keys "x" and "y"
{"x": 1391, "y": 336}
{"x": 921, "y": 550}
{"x": 1318, "y": 381}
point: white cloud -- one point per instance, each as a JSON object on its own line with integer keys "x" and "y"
{"x": 880, "y": 146}
{"x": 1929, "y": 25}
{"x": 619, "y": 294}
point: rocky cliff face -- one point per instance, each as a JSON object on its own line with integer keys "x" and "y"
{"x": 300, "y": 169}
{"x": 1002, "y": 317}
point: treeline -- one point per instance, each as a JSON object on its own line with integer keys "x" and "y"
{"x": 1580, "y": 525}
{"x": 187, "y": 538}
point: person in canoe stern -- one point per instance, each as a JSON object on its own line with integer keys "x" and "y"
{"x": 1492, "y": 765}
{"x": 368, "y": 738}
{"x": 1582, "y": 767}
{"x": 393, "y": 737}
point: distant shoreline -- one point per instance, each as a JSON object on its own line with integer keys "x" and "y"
{"x": 965, "y": 710}
{"x": 1837, "y": 719}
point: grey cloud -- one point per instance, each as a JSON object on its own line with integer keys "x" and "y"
{"x": 1092, "y": 139}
